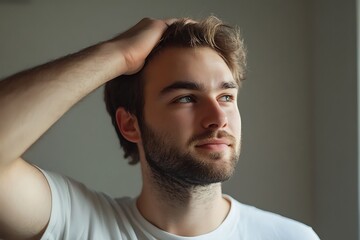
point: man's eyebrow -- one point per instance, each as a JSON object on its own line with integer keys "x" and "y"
{"x": 181, "y": 85}
{"x": 188, "y": 85}
{"x": 227, "y": 85}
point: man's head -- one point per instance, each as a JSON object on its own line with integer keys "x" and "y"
{"x": 127, "y": 92}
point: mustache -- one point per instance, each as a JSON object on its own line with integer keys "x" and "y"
{"x": 212, "y": 135}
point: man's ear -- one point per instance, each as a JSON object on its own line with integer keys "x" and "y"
{"x": 128, "y": 125}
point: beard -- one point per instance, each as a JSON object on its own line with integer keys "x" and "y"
{"x": 174, "y": 168}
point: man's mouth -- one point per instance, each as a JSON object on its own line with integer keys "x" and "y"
{"x": 214, "y": 144}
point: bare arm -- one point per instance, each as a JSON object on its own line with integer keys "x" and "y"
{"x": 33, "y": 100}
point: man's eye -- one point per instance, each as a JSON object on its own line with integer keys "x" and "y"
{"x": 226, "y": 98}
{"x": 186, "y": 99}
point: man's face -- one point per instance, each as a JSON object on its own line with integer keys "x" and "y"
{"x": 192, "y": 127}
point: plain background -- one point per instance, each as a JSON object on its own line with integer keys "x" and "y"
{"x": 298, "y": 105}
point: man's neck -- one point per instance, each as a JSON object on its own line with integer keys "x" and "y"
{"x": 182, "y": 209}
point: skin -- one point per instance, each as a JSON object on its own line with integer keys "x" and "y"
{"x": 33, "y": 100}
{"x": 180, "y": 114}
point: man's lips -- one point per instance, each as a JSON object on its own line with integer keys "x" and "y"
{"x": 214, "y": 144}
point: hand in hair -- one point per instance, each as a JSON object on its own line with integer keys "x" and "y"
{"x": 137, "y": 42}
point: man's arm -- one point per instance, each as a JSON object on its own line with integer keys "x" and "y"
{"x": 33, "y": 100}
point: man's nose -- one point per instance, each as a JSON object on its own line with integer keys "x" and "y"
{"x": 214, "y": 116}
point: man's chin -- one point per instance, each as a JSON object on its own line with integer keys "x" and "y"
{"x": 213, "y": 156}
{"x": 216, "y": 171}
{"x": 214, "y": 179}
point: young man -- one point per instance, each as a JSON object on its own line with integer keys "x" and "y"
{"x": 175, "y": 112}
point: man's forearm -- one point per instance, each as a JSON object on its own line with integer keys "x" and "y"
{"x": 33, "y": 100}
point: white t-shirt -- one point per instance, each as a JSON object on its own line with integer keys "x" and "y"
{"x": 80, "y": 213}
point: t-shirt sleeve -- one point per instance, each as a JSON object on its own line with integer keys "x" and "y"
{"x": 60, "y": 207}
{"x": 80, "y": 213}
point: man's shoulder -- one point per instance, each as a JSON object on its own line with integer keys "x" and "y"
{"x": 265, "y": 223}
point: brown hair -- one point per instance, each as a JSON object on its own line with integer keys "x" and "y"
{"x": 127, "y": 90}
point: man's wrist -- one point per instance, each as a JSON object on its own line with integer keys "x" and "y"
{"x": 114, "y": 55}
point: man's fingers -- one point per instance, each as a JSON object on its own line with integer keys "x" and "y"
{"x": 170, "y": 21}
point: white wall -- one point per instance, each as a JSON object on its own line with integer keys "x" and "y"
{"x": 275, "y": 172}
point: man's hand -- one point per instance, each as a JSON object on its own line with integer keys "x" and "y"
{"x": 137, "y": 42}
